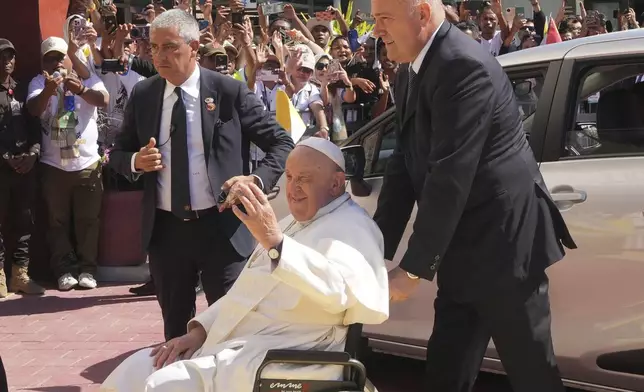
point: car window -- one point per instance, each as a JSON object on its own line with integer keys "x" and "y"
{"x": 380, "y": 156}
{"x": 527, "y": 91}
{"x": 608, "y": 118}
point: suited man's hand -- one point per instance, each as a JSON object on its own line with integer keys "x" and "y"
{"x": 401, "y": 286}
{"x": 233, "y": 190}
{"x": 148, "y": 159}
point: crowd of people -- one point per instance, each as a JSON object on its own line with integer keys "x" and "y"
{"x": 335, "y": 72}
{"x": 101, "y": 104}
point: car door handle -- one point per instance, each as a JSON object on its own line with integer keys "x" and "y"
{"x": 273, "y": 193}
{"x": 565, "y": 196}
{"x": 571, "y": 197}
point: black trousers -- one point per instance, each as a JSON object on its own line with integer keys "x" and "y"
{"x": 518, "y": 321}
{"x": 178, "y": 251}
{"x": 4, "y": 385}
{"x": 16, "y": 198}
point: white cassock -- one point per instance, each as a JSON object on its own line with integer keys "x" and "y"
{"x": 331, "y": 274}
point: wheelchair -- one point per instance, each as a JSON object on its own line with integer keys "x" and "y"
{"x": 354, "y": 372}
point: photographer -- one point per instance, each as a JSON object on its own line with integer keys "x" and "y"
{"x": 214, "y": 57}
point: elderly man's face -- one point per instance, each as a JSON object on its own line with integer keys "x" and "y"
{"x": 173, "y": 57}
{"x": 312, "y": 181}
{"x": 400, "y": 25}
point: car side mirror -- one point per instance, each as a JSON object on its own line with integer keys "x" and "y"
{"x": 521, "y": 89}
{"x": 354, "y": 162}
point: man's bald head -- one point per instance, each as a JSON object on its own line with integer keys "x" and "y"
{"x": 313, "y": 180}
{"x": 405, "y": 26}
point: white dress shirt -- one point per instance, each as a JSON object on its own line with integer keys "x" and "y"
{"x": 201, "y": 193}
{"x": 421, "y": 56}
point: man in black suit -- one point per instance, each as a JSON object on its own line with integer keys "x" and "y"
{"x": 187, "y": 131}
{"x": 485, "y": 223}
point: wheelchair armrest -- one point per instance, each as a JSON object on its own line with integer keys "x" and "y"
{"x": 305, "y": 357}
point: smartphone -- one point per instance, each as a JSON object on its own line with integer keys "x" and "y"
{"x": 354, "y": 44}
{"x": 203, "y": 24}
{"x": 221, "y": 62}
{"x": 366, "y": 17}
{"x": 520, "y": 10}
{"x": 324, "y": 15}
{"x": 237, "y": 18}
{"x": 78, "y": 28}
{"x": 287, "y": 39}
{"x": 140, "y": 32}
{"x": 510, "y": 13}
{"x": 272, "y": 8}
{"x": 112, "y": 65}
{"x": 111, "y": 23}
{"x": 615, "y": 14}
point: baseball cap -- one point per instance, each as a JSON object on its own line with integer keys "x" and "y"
{"x": 308, "y": 58}
{"x": 53, "y": 44}
{"x": 230, "y": 47}
{"x": 211, "y": 50}
{"x": 6, "y": 44}
{"x": 322, "y": 56}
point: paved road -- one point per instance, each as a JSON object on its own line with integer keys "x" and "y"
{"x": 394, "y": 374}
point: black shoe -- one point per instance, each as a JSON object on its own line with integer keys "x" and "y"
{"x": 145, "y": 289}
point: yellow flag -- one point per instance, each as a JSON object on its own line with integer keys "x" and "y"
{"x": 288, "y": 117}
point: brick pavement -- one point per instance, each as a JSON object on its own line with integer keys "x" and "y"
{"x": 69, "y": 342}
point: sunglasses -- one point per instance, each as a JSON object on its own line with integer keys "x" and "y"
{"x": 528, "y": 28}
{"x": 305, "y": 70}
{"x": 321, "y": 66}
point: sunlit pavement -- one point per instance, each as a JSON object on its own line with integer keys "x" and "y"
{"x": 69, "y": 342}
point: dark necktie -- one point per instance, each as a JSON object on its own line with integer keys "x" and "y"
{"x": 180, "y": 171}
{"x": 410, "y": 82}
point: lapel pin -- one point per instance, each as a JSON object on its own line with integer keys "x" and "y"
{"x": 210, "y": 104}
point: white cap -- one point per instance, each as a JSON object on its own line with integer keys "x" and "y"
{"x": 308, "y": 58}
{"x": 327, "y": 148}
{"x": 313, "y": 22}
{"x": 53, "y": 44}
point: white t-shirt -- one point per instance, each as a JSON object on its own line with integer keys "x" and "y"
{"x": 86, "y": 130}
{"x": 493, "y": 45}
{"x": 267, "y": 96}
{"x": 119, "y": 87}
{"x": 303, "y": 99}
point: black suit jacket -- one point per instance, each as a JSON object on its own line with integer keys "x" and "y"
{"x": 484, "y": 211}
{"x": 238, "y": 119}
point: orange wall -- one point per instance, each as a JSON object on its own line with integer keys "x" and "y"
{"x": 26, "y": 23}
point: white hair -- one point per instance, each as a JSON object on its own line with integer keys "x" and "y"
{"x": 185, "y": 23}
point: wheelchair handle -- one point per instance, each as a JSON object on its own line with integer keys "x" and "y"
{"x": 361, "y": 377}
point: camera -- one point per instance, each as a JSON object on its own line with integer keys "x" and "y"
{"x": 140, "y": 32}
{"x": 221, "y": 62}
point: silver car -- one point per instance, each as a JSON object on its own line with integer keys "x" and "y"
{"x": 583, "y": 110}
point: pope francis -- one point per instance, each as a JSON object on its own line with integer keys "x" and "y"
{"x": 311, "y": 275}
